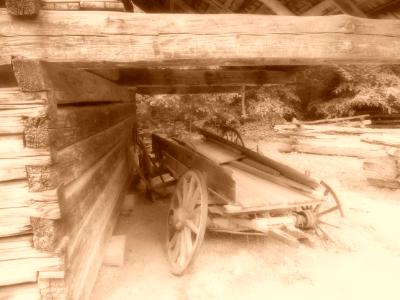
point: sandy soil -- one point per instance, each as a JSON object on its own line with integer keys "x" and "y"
{"x": 364, "y": 263}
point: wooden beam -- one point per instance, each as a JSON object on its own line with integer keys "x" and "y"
{"x": 66, "y": 85}
{"x": 385, "y": 8}
{"x": 221, "y": 7}
{"x": 23, "y": 7}
{"x": 203, "y": 77}
{"x": 118, "y": 39}
{"x": 182, "y": 4}
{"x": 181, "y": 89}
{"x": 320, "y": 9}
{"x": 278, "y": 8}
{"x": 350, "y": 8}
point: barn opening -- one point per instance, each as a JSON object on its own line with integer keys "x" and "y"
{"x": 67, "y": 120}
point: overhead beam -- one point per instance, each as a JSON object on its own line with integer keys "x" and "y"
{"x": 114, "y": 39}
{"x": 219, "y": 6}
{"x": 278, "y": 8}
{"x": 320, "y": 9}
{"x": 203, "y": 77}
{"x": 199, "y": 89}
{"x": 350, "y": 8}
{"x": 385, "y": 8}
{"x": 182, "y": 4}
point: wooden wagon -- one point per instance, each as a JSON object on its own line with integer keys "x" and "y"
{"x": 223, "y": 186}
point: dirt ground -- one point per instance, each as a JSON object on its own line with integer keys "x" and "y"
{"x": 364, "y": 263}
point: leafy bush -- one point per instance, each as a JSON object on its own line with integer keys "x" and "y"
{"x": 361, "y": 88}
{"x": 273, "y": 104}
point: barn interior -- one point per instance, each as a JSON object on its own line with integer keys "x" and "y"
{"x": 69, "y": 74}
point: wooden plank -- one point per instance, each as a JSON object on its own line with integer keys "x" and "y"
{"x": 23, "y": 7}
{"x": 26, "y": 269}
{"x": 392, "y": 140}
{"x": 278, "y": 8}
{"x": 389, "y": 184}
{"x": 283, "y": 169}
{"x": 253, "y": 191}
{"x": 141, "y": 77}
{"x": 111, "y": 39}
{"x": 11, "y": 226}
{"x": 87, "y": 251}
{"x": 339, "y": 151}
{"x": 67, "y": 85}
{"x": 13, "y": 97}
{"x": 15, "y": 168}
{"x": 20, "y": 292}
{"x": 384, "y": 168}
{"x": 75, "y": 123}
{"x": 214, "y": 152}
{"x": 11, "y": 125}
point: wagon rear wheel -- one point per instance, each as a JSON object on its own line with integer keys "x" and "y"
{"x": 331, "y": 206}
{"x": 187, "y": 220}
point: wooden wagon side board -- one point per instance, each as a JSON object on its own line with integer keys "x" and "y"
{"x": 112, "y": 39}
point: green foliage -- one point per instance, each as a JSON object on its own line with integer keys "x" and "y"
{"x": 274, "y": 103}
{"x": 361, "y": 88}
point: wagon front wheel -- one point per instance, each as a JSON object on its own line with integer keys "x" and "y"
{"x": 187, "y": 220}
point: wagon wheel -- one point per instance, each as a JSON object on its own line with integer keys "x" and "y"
{"x": 187, "y": 220}
{"x": 330, "y": 206}
{"x": 232, "y": 135}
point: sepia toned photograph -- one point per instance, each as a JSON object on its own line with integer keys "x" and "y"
{"x": 199, "y": 149}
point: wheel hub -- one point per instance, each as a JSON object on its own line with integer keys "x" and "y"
{"x": 180, "y": 217}
{"x": 306, "y": 219}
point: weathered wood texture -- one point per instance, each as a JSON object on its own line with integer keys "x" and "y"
{"x": 66, "y": 85}
{"x": 23, "y": 7}
{"x": 119, "y": 39}
{"x": 179, "y": 79}
{"x": 108, "y": 5}
{"x": 63, "y": 133}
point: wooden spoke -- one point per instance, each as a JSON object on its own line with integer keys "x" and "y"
{"x": 232, "y": 135}
{"x": 192, "y": 226}
{"x": 187, "y": 220}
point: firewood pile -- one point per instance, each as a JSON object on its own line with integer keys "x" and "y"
{"x": 378, "y": 146}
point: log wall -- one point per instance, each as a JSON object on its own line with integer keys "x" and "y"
{"x": 64, "y": 166}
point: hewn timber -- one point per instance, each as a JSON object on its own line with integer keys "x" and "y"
{"x": 320, "y": 9}
{"x": 23, "y": 7}
{"x": 66, "y": 85}
{"x": 178, "y": 89}
{"x": 148, "y": 78}
{"x": 81, "y": 195}
{"x": 96, "y": 230}
{"x": 75, "y": 123}
{"x": 118, "y": 39}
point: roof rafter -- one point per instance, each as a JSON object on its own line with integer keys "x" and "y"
{"x": 278, "y": 8}
{"x": 348, "y": 7}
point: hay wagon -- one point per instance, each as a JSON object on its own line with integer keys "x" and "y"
{"x": 223, "y": 186}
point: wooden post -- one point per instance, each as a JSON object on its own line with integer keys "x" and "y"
{"x": 23, "y": 7}
{"x": 243, "y": 92}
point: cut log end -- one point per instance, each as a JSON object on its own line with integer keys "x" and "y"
{"x": 115, "y": 252}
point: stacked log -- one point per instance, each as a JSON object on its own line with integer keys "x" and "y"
{"x": 384, "y": 171}
{"x": 65, "y": 136}
{"x": 379, "y": 147}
